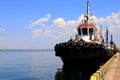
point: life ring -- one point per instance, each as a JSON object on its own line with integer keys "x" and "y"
{"x": 65, "y": 45}
{"x": 86, "y": 44}
{"x": 96, "y": 45}
{"x": 78, "y": 46}
{"x": 101, "y": 46}
{"x": 92, "y": 46}
{"x": 71, "y": 45}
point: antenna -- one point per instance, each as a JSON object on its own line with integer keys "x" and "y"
{"x": 111, "y": 37}
{"x": 107, "y": 36}
{"x": 111, "y": 41}
{"x": 88, "y": 7}
{"x": 101, "y": 31}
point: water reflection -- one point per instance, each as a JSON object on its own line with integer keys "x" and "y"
{"x": 28, "y": 65}
{"x": 71, "y": 74}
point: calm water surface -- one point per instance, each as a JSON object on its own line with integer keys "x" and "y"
{"x": 34, "y": 65}
{"x": 28, "y": 65}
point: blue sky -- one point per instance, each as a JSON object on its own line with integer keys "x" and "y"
{"x": 40, "y": 24}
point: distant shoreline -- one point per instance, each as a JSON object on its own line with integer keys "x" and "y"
{"x": 26, "y": 49}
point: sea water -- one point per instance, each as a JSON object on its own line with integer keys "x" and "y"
{"x": 33, "y": 65}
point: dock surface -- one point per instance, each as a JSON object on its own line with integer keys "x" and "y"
{"x": 114, "y": 70}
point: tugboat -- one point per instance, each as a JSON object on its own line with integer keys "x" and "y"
{"x": 87, "y": 50}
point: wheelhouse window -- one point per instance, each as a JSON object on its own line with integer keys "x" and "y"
{"x": 91, "y": 31}
{"x": 84, "y": 31}
{"x": 79, "y": 31}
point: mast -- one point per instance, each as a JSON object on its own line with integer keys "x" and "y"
{"x": 111, "y": 38}
{"x": 111, "y": 41}
{"x": 88, "y": 8}
{"x": 101, "y": 37}
{"x": 100, "y": 30}
{"x": 88, "y": 12}
{"x": 107, "y": 36}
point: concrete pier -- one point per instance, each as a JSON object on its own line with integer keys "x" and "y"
{"x": 109, "y": 71}
{"x": 113, "y": 72}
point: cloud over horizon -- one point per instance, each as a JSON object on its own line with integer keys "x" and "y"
{"x": 112, "y": 22}
{"x": 40, "y": 21}
{"x": 60, "y": 29}
{"x": 1, "y": 31}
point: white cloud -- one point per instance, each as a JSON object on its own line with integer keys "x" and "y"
{"x": 61, "y": 23}
{"x": 58, "y": 29}
{"x": 61, "y": 29}
{"x": 112, "y": 22}
{"x": 49, "y": 33}
{"x": 2, "y": 30}
{"x": 48, "y": 15}
{"x": 37, "y": 32}
{"x": 40, "y": 21}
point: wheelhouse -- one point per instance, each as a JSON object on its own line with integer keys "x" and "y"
{"x": 87, "y": 31}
